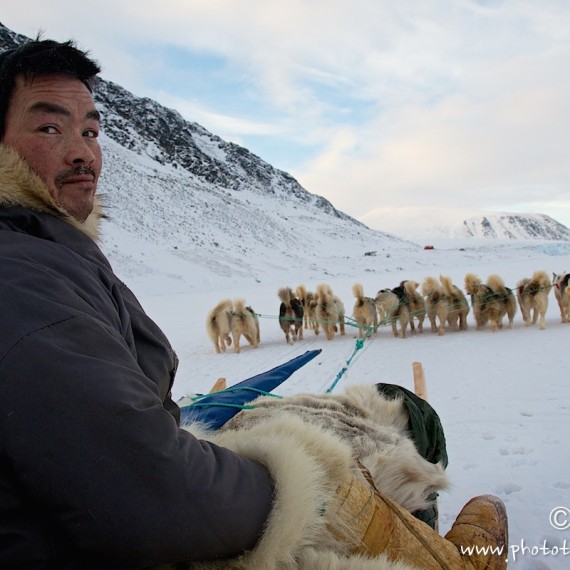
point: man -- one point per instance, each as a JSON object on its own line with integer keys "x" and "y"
{"x": 92, "y": 460}
{"x": 94, "y": 470}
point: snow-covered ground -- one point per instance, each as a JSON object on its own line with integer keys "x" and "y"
{"x": 504, "y": 398}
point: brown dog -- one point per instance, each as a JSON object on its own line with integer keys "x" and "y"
{"x": 364, "y": 312}
{"x": 391, "y": 310}
{"x": 437, "y": 304}
{"x": 532, "y": 295}
{"x": 416, "y": 304}
{"x": 256, "y": 321}
{"x": 244, "y": 322}
{"x": 458, "y": 305}
{"x": 330, "y": 311}
{"x": 487, "y": 306}
{"x": 218, "y": 325}
{"x": 506, "y": 297}
{"x": 309, "y": 304}
{"x": 290, "y": 315}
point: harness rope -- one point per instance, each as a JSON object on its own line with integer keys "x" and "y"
{"x": 196, "y": 399}
{"x": 359, "y": 345}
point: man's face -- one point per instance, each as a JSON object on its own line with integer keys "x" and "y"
{"x": 53, "y": 124}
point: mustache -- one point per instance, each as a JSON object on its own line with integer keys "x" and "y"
{"x": 61, "y": 177}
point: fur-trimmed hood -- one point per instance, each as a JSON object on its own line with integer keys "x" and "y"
{"x": 21, "y": 186}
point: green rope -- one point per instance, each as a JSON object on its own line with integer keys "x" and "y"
{"x": 359, "y": 346}
{"x": 387, "y": 320}
{"x": 232, "y": 389}
{"x": 223, "y": 405}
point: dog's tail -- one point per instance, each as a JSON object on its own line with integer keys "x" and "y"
{"x": 239, "y": 307}
{"x": 223, "y": 305}
{"x": 302, "y": 294}
{"x": 430, "y": 286}
{"x": 410, "y": 287}
{"x": 472, "y": 283}
{"x": 540, "y": 281}
{"x": 448, "y": 287}
{"x": 358, "y": 292}
{"x": 286, "y": 296}
{"x": 323, "y": 292}
{"x": 339, "y": 304}
{"x": 496, "y": 283}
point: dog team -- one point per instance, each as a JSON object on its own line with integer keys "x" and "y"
{"x": 403, "y": 307}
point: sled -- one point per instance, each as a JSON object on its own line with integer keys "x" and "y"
{"x": 220, "y": 405}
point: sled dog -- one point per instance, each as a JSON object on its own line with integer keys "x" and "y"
{"x": 218, "y": 325}
{"x": 561, "y": 285}
{"x": 309, "y": 304}
{"x": 244, "y": 322}
{"x": 506, "y": 297}
{"x": 391, "y": 310}
{"x": 437, "y": 304}
{"x": 416, "y": 304}
{"x": 532, "y": 295}
{"x": 330, "y": 311}
{"x": 364, "y": 312}
{"x": 458, "y": 305}
{"x": 312, "y": 309}
{"x": 290, "y": 315}
{"x": 487, "y": 306}
{"x": 256, "y": 321}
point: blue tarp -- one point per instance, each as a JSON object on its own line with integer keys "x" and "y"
{"x": 217, "y": 408}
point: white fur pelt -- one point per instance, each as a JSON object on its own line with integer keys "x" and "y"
{"x": 309, "y": 444}
{"x": 374, "y": 427}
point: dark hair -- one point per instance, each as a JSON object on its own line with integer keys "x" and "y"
{"x": 38, "y": 58}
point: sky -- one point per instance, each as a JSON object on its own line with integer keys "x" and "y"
{"x": 400, "y": 113}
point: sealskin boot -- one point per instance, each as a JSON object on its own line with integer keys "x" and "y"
{"x": 373, "y": 524}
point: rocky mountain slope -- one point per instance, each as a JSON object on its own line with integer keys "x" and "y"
{"x": 515, "y": 226}
{"x": 176, "y": 192}
{"x": 491, "y": 226}
{"x": 173, "y": 188}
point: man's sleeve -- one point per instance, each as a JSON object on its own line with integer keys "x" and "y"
{"x": 92, "y": 442}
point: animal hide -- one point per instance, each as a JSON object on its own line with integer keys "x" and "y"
{"x": 309, "y": 443}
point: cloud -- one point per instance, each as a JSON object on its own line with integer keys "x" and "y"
{"x": 429, "y": 103}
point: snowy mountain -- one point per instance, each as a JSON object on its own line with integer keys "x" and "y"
{"x": 463, "y": 224}
{"x": 515, "y": 226}
{"x": 180, "y": 197}
{"x": 171, "y": 184}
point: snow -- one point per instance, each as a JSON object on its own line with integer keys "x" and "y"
{"x": 503, "y": 397}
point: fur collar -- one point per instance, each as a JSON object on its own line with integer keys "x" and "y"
{"x": 21, "y": 186}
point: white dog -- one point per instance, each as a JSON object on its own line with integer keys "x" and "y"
{"x": 218, "y": 325}
{"x": 532, "y": 295}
